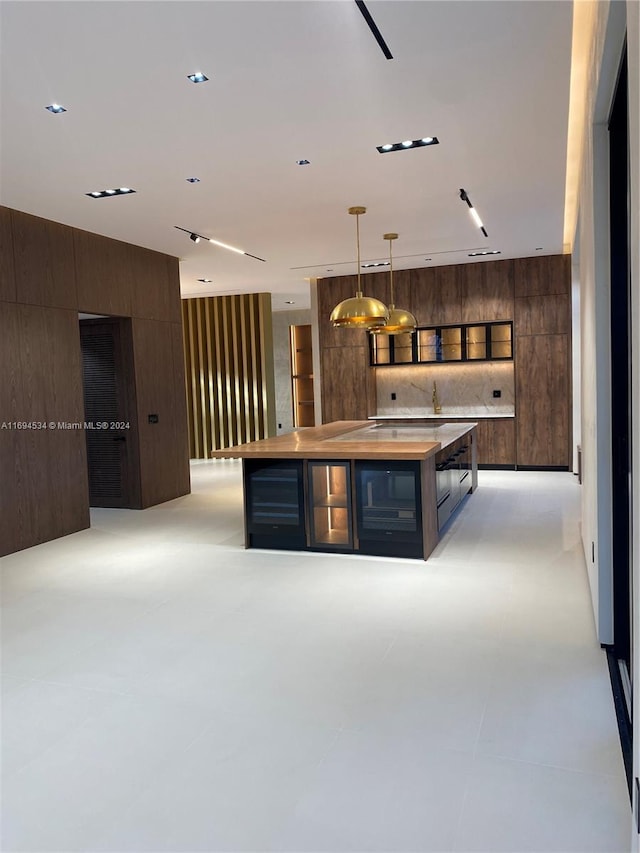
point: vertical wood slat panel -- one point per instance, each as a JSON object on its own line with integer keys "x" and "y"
{"x": 229, "y": 371}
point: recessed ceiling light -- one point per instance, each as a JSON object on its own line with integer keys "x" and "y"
{"x": 329, "y": 270}
{"x": 205, "y": 280}
{"x": 407, "y": 144}
{"x": 379, "y": 264}
{"x": 289, "y": 302}
{"x": 56, "y": 108}
{"x": 427, "y": 259}
{"x": 303, "y": 162}
{"x": 475, "y": 254}
{"x": 538, "y": 248}
{"x": 193, "y": 180}
{"x": 107, "y": 193}
{"x": 197, "y": 77}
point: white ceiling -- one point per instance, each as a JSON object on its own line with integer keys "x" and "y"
{"x": 289, "y": 80}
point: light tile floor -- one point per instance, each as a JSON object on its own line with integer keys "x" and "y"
{"x": 166, "y": 690}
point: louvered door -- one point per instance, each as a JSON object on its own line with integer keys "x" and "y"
{"x": 108, "y": 427}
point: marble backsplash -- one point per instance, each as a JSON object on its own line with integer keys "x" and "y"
{"x": 463, "y": 389}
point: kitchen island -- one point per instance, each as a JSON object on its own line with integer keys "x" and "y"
{"x": 356, "y": 487}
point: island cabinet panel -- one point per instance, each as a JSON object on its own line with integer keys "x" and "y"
{"x": 497, "y": 442}
{"x": 435, "y": 296}
{"x": 348, "y": 385}
{"x": 542, "y": 276}
{"x": 543, "y": 315}
{"x": 543, "y": 395}
{"x": 486, "y": 291}
{"x": 7, "y": 271}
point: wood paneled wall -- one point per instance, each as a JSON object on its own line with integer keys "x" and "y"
{"x": 229, "y": 364}
{"x": 533, "y": 292}
{"x": 48, "y": 273}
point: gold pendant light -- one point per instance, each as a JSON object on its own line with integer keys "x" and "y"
{"x": 359, "y": 312}
{"x": 400, "y": 321}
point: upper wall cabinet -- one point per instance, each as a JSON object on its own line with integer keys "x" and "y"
{"x": 444, "y": 345}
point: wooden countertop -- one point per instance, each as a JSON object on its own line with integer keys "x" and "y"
{"x": 350, "y": 440}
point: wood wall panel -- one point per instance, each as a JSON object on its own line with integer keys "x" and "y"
{"x": 44, "y": 262}
{"x": 436, "y": 295}
{"x": 43, "y": 471}
{"x": 543, "y": 400}
{"x": 542, "y": 276}
{"x": 229, "y": 367}
{"x": 542, "y": 315}
{"x": 164, "y": 466}
{"x": 103, "y": 273}
{"x": 345, "y": 372}
{"x": 7, "y": 271}
{"x": 155, "y": 285}
{"x": 487, "y": 290}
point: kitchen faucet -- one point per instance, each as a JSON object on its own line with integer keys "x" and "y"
{"x": 437, "y": 408}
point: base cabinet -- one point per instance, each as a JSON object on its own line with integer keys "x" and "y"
{"x": 274, "y": 504}
{"x": 389, "y": 508}
{"x": 329, "y": 499}
{"x": 454, "y": 478}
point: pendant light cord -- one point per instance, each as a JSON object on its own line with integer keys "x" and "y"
{"x": 359, "y": 290}
{"x": 392, "y": 303}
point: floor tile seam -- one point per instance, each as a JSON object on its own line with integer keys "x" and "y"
{"x": 544, "y": 764}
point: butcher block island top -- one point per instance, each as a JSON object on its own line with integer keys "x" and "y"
{"x": 352, "y": 440}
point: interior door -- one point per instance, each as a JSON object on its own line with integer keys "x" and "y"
{"x": 110, "y": 428}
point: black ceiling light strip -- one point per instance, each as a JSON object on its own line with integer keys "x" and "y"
{"x": 474, "y": 213}
{"x": 193, "y": 235}
{"x": 374, "y": 29}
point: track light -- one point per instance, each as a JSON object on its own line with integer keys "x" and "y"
{"x": 473, "y": 212}
{"x": 193, "y": 235}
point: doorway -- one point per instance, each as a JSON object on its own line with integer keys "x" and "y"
{"x": 621, "y": 413}
{"x": 109, "y": 403}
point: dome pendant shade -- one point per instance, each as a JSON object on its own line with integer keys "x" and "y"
{"x": 400, "y": 322}
{"x": 359, "y": 312}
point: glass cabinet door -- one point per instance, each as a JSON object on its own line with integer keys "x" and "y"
{"x": 476, "y": 339}
{"x": 428, "y": 345}
{"x": 501, "y": 341}
{"x": 451, "y": 338}
{"x": 380, "y": 349}
{"x": 330, "y": 504}
{"x": 403, "y": 348}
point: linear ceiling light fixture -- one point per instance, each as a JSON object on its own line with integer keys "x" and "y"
{"x": 366, "y": 14}
{"x": 109, "y": 193}
{"x": 193, "y": 235}
{"x": 400, "y": 321}
{"x": 473, "y": 212}
{"x": 377, "y": 264}
{"x": 359, "y": 312}
{"x": 407, "y": 144}
{"x": 492, "y": 252}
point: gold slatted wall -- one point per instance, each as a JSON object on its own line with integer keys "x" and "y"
{"x": 228, "y": 347}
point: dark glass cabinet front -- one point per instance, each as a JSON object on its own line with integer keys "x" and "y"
{"x": 389, "y": 508}
{"x": 444, "y": 345}
{"x": 274, "y": 504}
